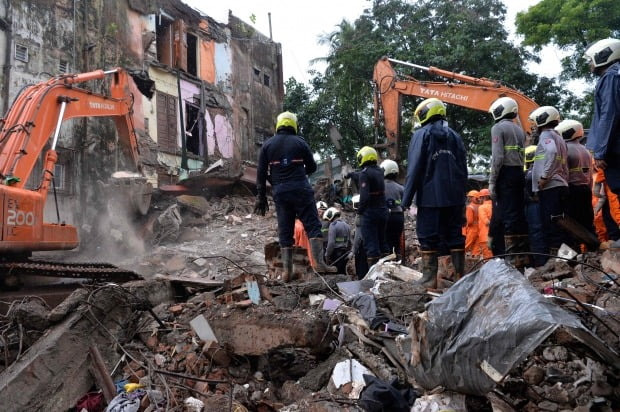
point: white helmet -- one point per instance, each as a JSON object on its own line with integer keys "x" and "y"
{"x": 321, "y": 205}
{"x": 570, "y": 129}
{"x": 502, "y": 107}
{"x": 389, "y": 167}
{"x": 603, "y": 52}
{"x": 331, "y": 213}
{"x": 544, "y": 115}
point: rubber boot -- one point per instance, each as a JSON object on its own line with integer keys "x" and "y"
{"x": 524, "y": 247}
{"x": 316, "y": 248}
{"x": 287, "y": 263}
{"x": 429, "y": 266}
{"x": 458, "y": 261}
{"x": 512, "y": 246}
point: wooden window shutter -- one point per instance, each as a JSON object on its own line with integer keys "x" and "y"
{"x": 180, "y": 45}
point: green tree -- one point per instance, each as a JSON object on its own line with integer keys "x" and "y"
{"x": 570, "y": 25}
{"x": 465, "y": 36}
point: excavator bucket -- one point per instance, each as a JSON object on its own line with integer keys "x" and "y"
{"x": 130, "y": 190}
{"x": 577, "y": 231}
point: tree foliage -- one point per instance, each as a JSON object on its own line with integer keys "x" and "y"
{"x": 465, "y": 36}
{"x": 570, "y": 25}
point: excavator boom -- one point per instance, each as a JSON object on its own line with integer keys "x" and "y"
{"x": 474, "y": 93}
{"x": 34, "y": 118}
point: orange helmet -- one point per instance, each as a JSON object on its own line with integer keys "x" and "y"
{"x": 485, "y": 192}
{"x": 473, "y": 193}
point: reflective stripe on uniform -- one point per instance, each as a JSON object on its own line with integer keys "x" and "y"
{"x": 513, "y": 148}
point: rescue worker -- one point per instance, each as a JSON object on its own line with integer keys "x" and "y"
{"x": 372, "y": 207}
{"x": 470, "y": 230}
{"x": 301, "y": 237}
{"x": 532, "y": 212}
{"x": 437, "y": 178}
{"x": 604, "y": 134}
{"x": 550, "y": 175}
{"x": 286, "y": 160}
{"x": 359, "y": 253}
{"x": 321, "y": 207}
{"x": 339, "y": 243}
{"x": 393, "y": 197}
{"x": 507, "y": 179}
{"x": 579, "y": 176}
{"x": 485, "y": 213}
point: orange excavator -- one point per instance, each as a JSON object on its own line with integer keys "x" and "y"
{"x": 33, "y": 120}
{"x": 461, "y": 90}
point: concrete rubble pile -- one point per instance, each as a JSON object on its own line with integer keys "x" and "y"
{"x": 214, "y": 328}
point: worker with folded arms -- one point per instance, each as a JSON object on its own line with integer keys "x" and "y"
{"x": 550, "y": 175}
{"x": 437, "y": 178}
{"x": 339, "y": 240}
{"x": 579, "y": 176}
{"x": 393, "y": 197}
{"x": 506, "y": 180}
{"x": 372, "y": 207}
{"x": 286, "y": 160}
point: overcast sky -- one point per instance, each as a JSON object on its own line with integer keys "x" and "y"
{"x": 299, "y": 24}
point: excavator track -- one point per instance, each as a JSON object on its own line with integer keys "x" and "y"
{"x": 104, "y": 272}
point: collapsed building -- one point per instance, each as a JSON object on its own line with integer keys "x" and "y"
{"x": 218, "y": 87}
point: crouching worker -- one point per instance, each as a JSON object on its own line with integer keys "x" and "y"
{"x": 286, "y": 160}
{"x": 339, "y": 240}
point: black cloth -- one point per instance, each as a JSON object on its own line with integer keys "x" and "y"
{"x": 381, "y": 396}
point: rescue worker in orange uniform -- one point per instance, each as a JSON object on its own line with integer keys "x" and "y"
{"x": 470, "y": 230}
{"x": 484, "y": 220}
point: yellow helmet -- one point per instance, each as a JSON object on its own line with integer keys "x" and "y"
{"x": 530, "y": 151}
{"x": 287, "y": 119}
{"x": 365, "y": 155}
{"x": 427, "y": 109}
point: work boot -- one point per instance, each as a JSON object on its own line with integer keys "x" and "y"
{"x": 316, "y": 248}
{"x": 524, "y": 247}
{"x": 429, "y": 266}
{"x": 287, "y": 263}
{"x": 512, "y": 246}
{"x": 458, "y": 261}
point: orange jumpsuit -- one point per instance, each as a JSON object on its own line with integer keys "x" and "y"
{"x": 301, "y": 239}
{"x": 470, "y": 230}
{"x": 484, "y": 219}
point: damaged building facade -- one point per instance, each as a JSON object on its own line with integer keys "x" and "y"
{"x": 221, "y": 84}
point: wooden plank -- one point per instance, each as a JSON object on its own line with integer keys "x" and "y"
{"x": 193, "y": 281}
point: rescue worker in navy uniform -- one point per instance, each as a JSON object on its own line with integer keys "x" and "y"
{"x": 579, "y": 176}
{"x": 339, "y": 240}
{"x": 506, "y": 182}
{"x": 437, "y": 178}
{"x": 393, "y": 197}
{"x": 358, "y": 252}
{"x": 372, "y": 206}
{"x": 604, "y": 134}
{"x": 550, "y": 175}
{"x": 286, "y": 160}
{"x": 532, "y": 212}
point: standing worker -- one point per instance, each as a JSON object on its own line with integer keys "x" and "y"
{"x": 437, "y": 178}
{"x": 550, "y": 175}
{"x": 470, "y": 230}
{"x": 507, "y": 180}
{"x": 393, "y": 197}
{"x": 579, "y": 175}
{"x": 532, "y": 212}
{"x": 339, "y": 240}
{"x": 286, "y": 160}
{"x": 604, "y": 134}
{"x": 485, "y": 214}
{"x": 361, "y": 264}
{"x": 372, "y": 206}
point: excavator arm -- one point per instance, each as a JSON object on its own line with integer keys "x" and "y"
{"x": 34, "y": 118}
{"x": 474, "y": 93}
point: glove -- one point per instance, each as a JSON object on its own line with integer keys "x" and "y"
{"x": 489, "y": 242}
{"x": 350, "y": 256}
{"x": 492, "y": 191}
{"x": 261, "y": 207}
